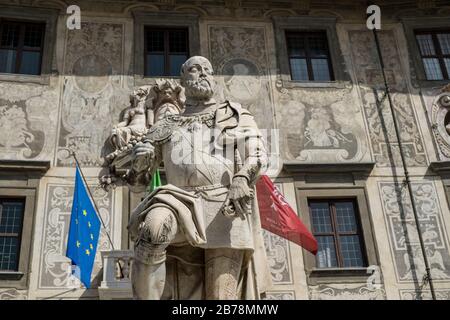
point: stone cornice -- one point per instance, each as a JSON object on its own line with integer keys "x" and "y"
{"x": 25, "y": 166}
{"x": 252, "y": 9}
{"x": 329, "y": 168}
{"x": 441, "y": 167}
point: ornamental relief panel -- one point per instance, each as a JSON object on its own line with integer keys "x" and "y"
{"x": 54, "y": 266}
{"x": 93, "y": 94}
{"x": 28, "y": 116}
{"x": 280, "y": 295}
{"x": 278, "y": 255}
{"x": 241, "y": 63}
{"x": 346, "y": 292}
{"x": 375, "y": 105}
{"x": 13, "y": 294}
{"x": 321, "y": 125}
{"x": 439, "y": 116}
{"x": 424, "y": 295}
{"x": 278, "y": 258}
{"x": 403, "y": 236}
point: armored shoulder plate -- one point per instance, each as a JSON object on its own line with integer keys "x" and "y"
{"x": 161, "y": 131}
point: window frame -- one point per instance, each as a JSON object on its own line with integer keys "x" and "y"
{"x": 20, "y": 179}
{"x": 166, "y": 51}
{"x": 163, "y": 20}
{"x": 335, "y": 232}
{"x": 410, "y": 24}
{"x": 308, "y": 56}
{"x": 21, "y": 47}
{"x": 315, "y": 275}
{"x": 18, "y": 279}
{"x": 438, "y": 50}
{"x": 442, "y": 169}
{"x": 281, "y": 24}
{"x": 14, "y": 235}
{"x": 35, "y": 15}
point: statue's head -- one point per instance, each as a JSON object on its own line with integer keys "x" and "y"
{"x": 197, "y": 78}
{"x": 166, "y": 91}
{"x": 138, "y": 96}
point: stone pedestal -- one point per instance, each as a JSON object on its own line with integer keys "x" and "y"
{"x": 116, "y": 283}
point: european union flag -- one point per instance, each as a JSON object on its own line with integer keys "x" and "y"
{"x": 84, "y": 231}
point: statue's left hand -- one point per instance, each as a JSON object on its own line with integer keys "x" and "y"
{"x": 239, "y": 196}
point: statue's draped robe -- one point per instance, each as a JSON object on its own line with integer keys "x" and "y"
{"x": 199, "y": 173}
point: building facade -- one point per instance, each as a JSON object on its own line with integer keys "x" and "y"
{"x": 309, "y": 72}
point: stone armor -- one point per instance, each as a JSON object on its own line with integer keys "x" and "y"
{"x": 212, "y": 246}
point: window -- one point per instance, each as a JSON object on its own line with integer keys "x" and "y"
{"x": 434, "y": 47}
{"x": 337, "y": 229}
{"x": 323, "y": 64}
{"x": 19, "y": 183}
{"x": 11, "y": 220}
{"x": 189, "y": 45}
{"x": 165, "y": 51}
{"x": 309, "y": 57}
{"x": 21, "y": 47}
{"x": 332, "y": 201}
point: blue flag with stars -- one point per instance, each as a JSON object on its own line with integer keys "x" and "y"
{"x": 84, "y": 231}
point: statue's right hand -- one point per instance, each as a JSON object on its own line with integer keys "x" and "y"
{"x": 143, "y": 149}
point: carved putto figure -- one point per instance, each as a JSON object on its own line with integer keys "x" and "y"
{"x": 148, "y": 104}
{"x": 134, "y": 124}
{"x": 166, "y": 97}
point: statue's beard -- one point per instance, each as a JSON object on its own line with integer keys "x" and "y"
{"x": 198, "y": 89}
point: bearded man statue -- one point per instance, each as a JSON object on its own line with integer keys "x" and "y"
{"x": 199, "y": 236}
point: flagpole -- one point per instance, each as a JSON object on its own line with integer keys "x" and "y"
{"x": 96, "y": 208}
{"x": 92, "y": 199}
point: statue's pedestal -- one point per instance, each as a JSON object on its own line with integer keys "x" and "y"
{"x": 116, "y": 283}
{"x": 185, "y": 273}
{"x": 184, "y": 278}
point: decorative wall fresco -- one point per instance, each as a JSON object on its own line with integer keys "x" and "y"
{"x": 424, "y": 295}
{"x": 93, "y": 93}
{"x": 345, "y": 292}
{"x": 28, "y": 116}
{"x": 278, "y": 255}
{"x": 280, "y": 295}
{"x": 403, "y": 236}
{"x": 437, "y": 103}
{"x": 376, "y": 109}
{"x": 321, "y": 125}
{"x": 240, "y": 59}
{"x": 13, "y": 294}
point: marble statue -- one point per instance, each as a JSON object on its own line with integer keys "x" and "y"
{"x": 199, "y": 236}
{"x": 166, "y": 97}
{"x": 134, "y": 124}
{"x": 148, "y": 104}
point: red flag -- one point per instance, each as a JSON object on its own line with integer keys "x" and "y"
{"x": 279, "y": 218}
